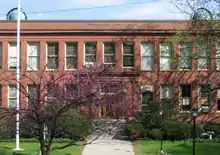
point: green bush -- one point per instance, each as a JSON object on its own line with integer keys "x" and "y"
{"x": 155, "y": 134}
{"x": 212, "y": 127}
{"x": 198, "y": 130}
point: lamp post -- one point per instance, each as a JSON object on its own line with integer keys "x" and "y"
{"x": 161, "y": 132}
{"x": 194, "y": 115}
{"x": 17, "y": 14}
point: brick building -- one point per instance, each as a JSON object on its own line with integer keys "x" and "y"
{"x": 125, "y": 45}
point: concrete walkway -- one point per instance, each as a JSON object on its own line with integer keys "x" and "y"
{"x": 106, "y": 145}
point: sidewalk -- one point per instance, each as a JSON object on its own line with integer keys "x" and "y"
{"x": 105, "y": 145}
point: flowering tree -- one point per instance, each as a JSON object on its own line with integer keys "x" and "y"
{"x": 66, "y": 103}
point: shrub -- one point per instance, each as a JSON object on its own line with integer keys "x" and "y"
{"x": 212, "y": 127}
{"x": 198, "y": 130}
{"x": 155, "y": 134}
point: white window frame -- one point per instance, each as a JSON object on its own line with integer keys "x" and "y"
{"x": 146, "y": 55}
{"x": 185, "y": 98}
{"x": 205, "y": 56}
{"x": 72, "y": 56}
{"x": 52, "y": 55}
{"x": 168, "y": 57}
{"x": 217, "y": 56}
{"x": 128, "y": 55}
{"x": 14, "y": 97}
{"x": 187, "y": 57}
{"x": 167, "y": 86}
{"x": 14, "y": 57}
{"x": 29, "y": 67}
{"x": 89, "y": 64}
{"x": 112, "y": 64}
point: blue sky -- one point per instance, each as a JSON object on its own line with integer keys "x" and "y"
{"x": 149, "y": 10}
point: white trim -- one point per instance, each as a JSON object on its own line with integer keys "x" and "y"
{"x": 28, "y": 43}
{"x": 128, "y": 54}
{"x": 47, "y": 69}
{"x": 153, "y": 48}
{"x": 65, "y": 61}
{"x": 103, "y": 56}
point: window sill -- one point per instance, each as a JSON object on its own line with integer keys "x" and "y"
{"x": 218, "y": 111}
{"x": 202, "y": 69}
{"x": 70, "y": 69}
{"x": 183, "y": 111}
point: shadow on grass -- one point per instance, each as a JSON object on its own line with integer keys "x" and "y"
{"x": 176, "y": 148}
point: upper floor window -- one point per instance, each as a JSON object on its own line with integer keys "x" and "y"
{"x": 217, "y": 55}
{"x": 185, "y": 57}
{"x": 71, "y": 55}
{"x": 203, "y": 53}
{"x": 166, "y": 91}
{"x": 109, "y": 54}
{"x": 165, "y": 56}
{"x": 128, "y": 54}
{"x": 12, "y": 56}
{"x": 147, "y": 56}
{"x": 52, "y": 55}
{"x": 90, "y": 53}
{"x": 33, "y": 53}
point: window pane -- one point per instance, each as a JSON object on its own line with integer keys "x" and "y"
{"x": 204, "y": 91}
{"x": 52, "y": 63}
{"x": 165, "y": 50}
{"x": 33, "y": 63}
{"x": 12, "y": 103}
{"x": 71, "y": 90}
{"x": 128, "y": 61}
{"x": 71, "y": 63}
{"x": 12, "y": 62}
{"x": 12, "y": 91}
{"x": 33, "y": 49}
{"x": 185, "y": 63}
{"x": 109, "y": 48}
{"x": 203, "y": 63}
{"x": 90, "y": 58}
{"x": 147, "y": 97}
{"x": 71, "y": 49}
{"x": 90, "y": 48}
{"x": 109, "y": 59}
{"x": 166, "y": 91}
{"x": 203, "y": 50}
{"x": 12, "y": 50}
{"x": 52, "y": 49}
{"x": 147, "y": 63}
{"x": 165, "y": 63}
{"x": 185, "y": 91}
{"x": 147, "y": 49}
{"x": 128, "y": 48}
{"x": 218, "y": 105}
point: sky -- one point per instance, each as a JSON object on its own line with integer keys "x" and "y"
{"x": 147, "y": 10}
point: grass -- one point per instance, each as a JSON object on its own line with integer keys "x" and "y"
{"x": 31, "y": 148}
{"x": 175, "y": 148}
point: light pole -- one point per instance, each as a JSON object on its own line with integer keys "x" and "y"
{"x": 161, "y": 132}
{"x": 194, "y": 115}
{"x": 15, "y": 14}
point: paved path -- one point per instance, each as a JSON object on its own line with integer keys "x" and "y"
{"x": 105, "y": 145}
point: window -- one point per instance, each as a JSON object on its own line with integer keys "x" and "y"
{"x": 165, "y": 56}
{"x": 71, "y": 91}
{"x": 52, "y": 91}
{"x": 32, "y": 96}
{"x": 185, "y": 97}
{"x": 128, "y": 54}
{"x": 218, "y": 99}
{"x": 90, "y": 54}
{"x": 71, "y": 55}
{"x": 203, "y": 53}
{"x": 109, "y": 54}
{"x": 52, "y": 55}
{"x": 147, "y": 56}
{"x": 109, "y": 89}
{"x": 185, "y": 59}
{"x": 0, "y": 56}
{"x": 12, "y": 56}
{"x": 166, "y": 91}
{"x": 217, "y": 57}
{"x": 12, "y": 97}
{"x": 147, "y": 94}
{"x": 33, "y": 56}
{"x": 204, "y": 91}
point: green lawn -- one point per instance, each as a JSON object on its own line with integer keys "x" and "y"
{"x": 31, "y": 148}
{"x": 175, "y": 148}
